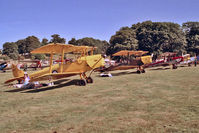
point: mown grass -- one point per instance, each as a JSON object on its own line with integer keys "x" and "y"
{"x": 157, "y": 101}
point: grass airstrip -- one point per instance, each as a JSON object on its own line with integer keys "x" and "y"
{"x": 161, "y": 100}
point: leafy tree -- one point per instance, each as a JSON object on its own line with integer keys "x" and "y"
{"x": 44, "y": 41}
{"x": 5, "y": 57}
{"x": 101, "y": 45}
{"x": 73, "y": 41}
{"x": 10, "y": 49}
{"x": 124, "y": 39}
{"x": 191, "y": 30}
{"x": 13, "y": 56}
{"x": 57, "y": 39}
{"x": 32, "y": 43}
{"x": 21, "y": 46}
{"x": 38, "y": 56}
{"x": 158, "y": 37}
{"x": 28, "y": 44}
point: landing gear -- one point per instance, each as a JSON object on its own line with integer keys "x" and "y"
{"x": 174, "y": 66}
{"x": 89, "y": 80}
{"x": 84, "y": 79}
{"x": 143, "y": 71}
{"x": 138, "y": 72}
{"x": 81, "y": 82}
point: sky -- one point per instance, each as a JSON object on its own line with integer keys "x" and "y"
{"x": 99, "y": 19}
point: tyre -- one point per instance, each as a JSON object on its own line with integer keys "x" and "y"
{"x": 175, "y": 67}
{"x": 138, "y": 72}
{"x": 89, "y": 80}
{"x": 81, "y": 82}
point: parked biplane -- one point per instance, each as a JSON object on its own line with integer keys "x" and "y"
{"x": 84, "y": 63}
{"x": 3, "y": 66}
{"x": 188, "y": 60}
{"x": 167, "y": 59}
{"x": 128, "y": 60}
{"x": 34, "y": 64}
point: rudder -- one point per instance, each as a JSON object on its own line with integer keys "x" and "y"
{"x": 16, "y": 71}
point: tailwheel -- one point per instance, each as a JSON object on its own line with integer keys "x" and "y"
{"x": 89, "y": 80}
{"x": 138, "y": 72}
{"x": 81, "y": 82}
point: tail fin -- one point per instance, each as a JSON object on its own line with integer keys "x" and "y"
{"x": 16, "y": 71}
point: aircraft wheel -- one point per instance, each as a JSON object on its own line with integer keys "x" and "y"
{"x": 143, "y": 71}
{"x": 89, "y": 80}
{"x": 175, "y": 67}
{"x": 4, "y": 71}
{"x": 138, "y": 72}
{"x": 82, "y": 82}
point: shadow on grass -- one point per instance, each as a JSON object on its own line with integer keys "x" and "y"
{"x": 56, "y": 86}
{"x": 61, "y": 81}
{"x": 118, "y": 74}
{"x": 16, "y": 90}
{"x": 123, "y": 73}
{"x": 160, "y": 69}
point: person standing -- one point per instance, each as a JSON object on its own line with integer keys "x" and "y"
{"x": 195, "y": 60}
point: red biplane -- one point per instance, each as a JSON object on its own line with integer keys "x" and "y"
{"x": 167, "y": 59}
{"x": 128, "y": 60}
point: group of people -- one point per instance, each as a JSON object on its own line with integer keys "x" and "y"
{"x": 26, "y": 84}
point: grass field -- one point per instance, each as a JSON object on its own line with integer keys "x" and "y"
{"x": 158, "y": 101}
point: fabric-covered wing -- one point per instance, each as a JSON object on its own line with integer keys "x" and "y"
{"x": 128, "y": 53}
{"x": 58, "y": 48}
{"x": 13, "y": 79}
{"x": 54, "y": 76}
{"x": 55, "y": 48}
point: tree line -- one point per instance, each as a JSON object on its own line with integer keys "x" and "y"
{"x": 25, "y": 46}
{"x": 155, "y": 37}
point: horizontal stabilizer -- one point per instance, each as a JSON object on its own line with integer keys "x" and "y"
{"x": 13, "y": 79}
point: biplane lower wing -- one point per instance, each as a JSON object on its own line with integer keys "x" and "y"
{"x": 54, "y": 76}
{"x": 45, "y": 77}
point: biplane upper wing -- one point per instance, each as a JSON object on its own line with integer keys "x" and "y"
{"x": 58, "y": 48}
{"x": 129, "y": 53}
{"x": 54, "y": 76}
{"x": 13, "y": 79}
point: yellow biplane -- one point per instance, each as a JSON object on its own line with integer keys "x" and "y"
{"x": 128, "y": 60}
{"x": 86, "y": 62}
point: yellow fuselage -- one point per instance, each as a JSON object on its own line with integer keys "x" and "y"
{"x": 81, "y": 65}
